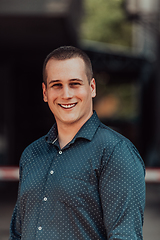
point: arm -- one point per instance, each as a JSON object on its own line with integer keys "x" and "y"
{"x": 122, "y": 192}
{"x": 15, "y": 225}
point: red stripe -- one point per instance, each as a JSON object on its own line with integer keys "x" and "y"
{"x": 9, "y": 173}
{"x": 12, "y": 174}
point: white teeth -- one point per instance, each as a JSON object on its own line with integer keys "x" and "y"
{"x": 68, "y": 105}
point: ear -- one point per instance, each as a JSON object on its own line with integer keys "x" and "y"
{"x": 44, "y": 92}
{"x": 93, "y": 87}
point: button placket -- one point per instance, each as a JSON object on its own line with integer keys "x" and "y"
{"x": 51, "y": 172}
{"x": 46, "y": 194}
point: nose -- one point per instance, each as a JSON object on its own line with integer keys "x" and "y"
{"x": 66, "y": 92}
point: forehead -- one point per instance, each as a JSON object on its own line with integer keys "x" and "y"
{"x": 65, "y": 70}
{"x": 67, "y": 64}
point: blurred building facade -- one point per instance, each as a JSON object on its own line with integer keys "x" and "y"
{"x": 29, "y": 30}
{"x": 145, "y": 15}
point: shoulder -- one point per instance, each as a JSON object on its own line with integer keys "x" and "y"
{"x": 34, "y": 149}
{"x": 116, "y": 147}
{"x": 109, "y": 137}
{"x": 36, "y": 144}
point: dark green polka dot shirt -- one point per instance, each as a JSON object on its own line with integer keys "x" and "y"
{"x": 92, "y": 189}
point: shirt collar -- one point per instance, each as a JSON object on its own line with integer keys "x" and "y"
{"x": 51, "y": 136}
{"x": 87, "y": 131}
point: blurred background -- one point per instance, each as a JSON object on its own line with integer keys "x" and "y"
{"x": 122, "y": 39}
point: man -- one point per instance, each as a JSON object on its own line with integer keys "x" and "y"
{"x": 82, "y": 181}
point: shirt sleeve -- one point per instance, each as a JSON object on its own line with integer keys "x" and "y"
{"x": 122, "y": 192}
{"x": 15, "y": 225}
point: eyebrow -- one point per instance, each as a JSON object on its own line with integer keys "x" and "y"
{"x": 71, "y": 80}
{"x": 76, "y": 79}
{"x": 53, "y": 81}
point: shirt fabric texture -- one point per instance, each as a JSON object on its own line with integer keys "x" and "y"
{"x": 92, "y": 189}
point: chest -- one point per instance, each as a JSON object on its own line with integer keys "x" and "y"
{"x": 69, "y": 176}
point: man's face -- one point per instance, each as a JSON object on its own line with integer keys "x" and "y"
{"x": 68, "y": 92}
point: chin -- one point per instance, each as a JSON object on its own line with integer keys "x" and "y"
{"x": 70, "y": 120}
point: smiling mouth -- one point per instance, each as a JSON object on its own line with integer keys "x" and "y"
{"x": 68, "y": 106}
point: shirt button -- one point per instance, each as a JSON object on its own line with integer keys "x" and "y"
{"x": 40, "y": 228}
{"x": 51, "y": 172}
{"x": 60, "y": 152}
{"x": 45, "y": 199}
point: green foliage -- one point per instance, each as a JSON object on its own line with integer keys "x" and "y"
{"x": 105, "y": 21}
{"x": 126, "y": 95}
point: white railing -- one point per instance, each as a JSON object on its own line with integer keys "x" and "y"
{"x": 9, "y": 173}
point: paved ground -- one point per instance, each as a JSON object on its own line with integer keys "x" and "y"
{"x": 151, "y": 228}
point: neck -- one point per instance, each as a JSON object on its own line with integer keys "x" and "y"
{"x": 66, "y": 132}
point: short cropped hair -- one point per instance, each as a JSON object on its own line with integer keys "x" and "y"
{"x": 68, "y": 52}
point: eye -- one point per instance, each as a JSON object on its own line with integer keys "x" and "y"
{"x": 75, "y": 84}
{"x": 56, "y": 85}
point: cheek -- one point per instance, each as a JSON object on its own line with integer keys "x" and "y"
{"x": 83, "y": 94}
{"x": 52, "y": 95}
